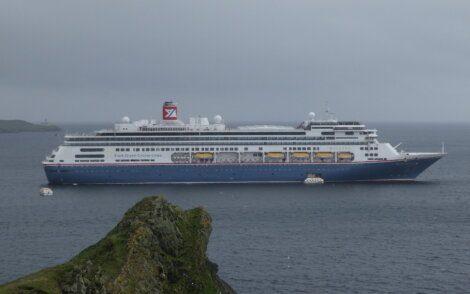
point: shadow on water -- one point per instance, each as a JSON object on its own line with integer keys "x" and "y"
{"x": 258, "y": 185}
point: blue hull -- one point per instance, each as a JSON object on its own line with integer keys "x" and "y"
{"x": 233, "y": 173}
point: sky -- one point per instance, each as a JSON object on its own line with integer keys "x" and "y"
{"x": 265, "y": 60}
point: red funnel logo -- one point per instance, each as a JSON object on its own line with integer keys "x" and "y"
{"x": 169, "y": 112}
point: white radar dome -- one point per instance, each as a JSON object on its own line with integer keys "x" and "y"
{"x": 217, "y": 119}
{"x": 126, "y": 120}
{"x": 311, "y": 115}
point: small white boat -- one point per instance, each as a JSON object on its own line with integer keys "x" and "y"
{"x": 314, "y": 180}
{"x": 45, "y": 191}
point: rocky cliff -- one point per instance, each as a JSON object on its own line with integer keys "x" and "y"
{"x": 155, "y": 248}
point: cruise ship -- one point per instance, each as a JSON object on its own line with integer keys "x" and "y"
{"x": 203, "y": 151}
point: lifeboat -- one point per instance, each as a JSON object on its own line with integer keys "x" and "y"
{"x": 300, "y": 154}
{"x": 345, "y": 155}
{"x": 203, "y": 155}
{"x": 324, "y": 154}
{"x": 275, "y": 155}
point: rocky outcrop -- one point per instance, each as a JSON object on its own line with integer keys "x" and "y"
{"x": 155, "y": 248}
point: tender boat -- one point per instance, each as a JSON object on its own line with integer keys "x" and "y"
{"x": 45, "y": 191}
{"x": 314, "y": 180}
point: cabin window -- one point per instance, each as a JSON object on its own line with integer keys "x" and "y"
{"x": 328, "y": 133}
{"x": 89, "y": 156}
{"x": 91, "y": 149}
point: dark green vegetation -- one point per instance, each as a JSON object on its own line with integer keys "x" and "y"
{"x": 16, "y": 126}
{"x": 155, "y": 248}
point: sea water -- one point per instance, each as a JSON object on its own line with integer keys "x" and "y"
{"x": 267, "y": 238}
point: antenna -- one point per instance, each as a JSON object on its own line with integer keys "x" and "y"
{"x": 329, "y": 116}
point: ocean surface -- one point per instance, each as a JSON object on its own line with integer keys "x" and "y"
{"x": 269, "y": 238}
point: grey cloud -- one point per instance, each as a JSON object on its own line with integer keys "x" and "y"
{"x": 248, "y": 60}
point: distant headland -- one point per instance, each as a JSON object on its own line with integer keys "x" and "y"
{"x": 17, "y": 126}
{"x": 156, "y": 248}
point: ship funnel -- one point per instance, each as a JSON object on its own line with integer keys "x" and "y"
{"x": 170, "y": 111}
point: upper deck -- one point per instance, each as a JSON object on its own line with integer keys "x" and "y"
{"x": 200, "y": 129}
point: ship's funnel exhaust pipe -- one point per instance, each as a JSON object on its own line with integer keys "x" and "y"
{"x": 170, "y": 111}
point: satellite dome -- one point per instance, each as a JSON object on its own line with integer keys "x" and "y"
{"x": 217, "y": 119}
{"x": 126, "y": 120}
{"x": 311, "y": 115}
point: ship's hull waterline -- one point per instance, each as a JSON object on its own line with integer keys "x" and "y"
{"x": 402, "y": 170}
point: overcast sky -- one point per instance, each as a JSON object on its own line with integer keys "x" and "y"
{"x": 87, "y": 61}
